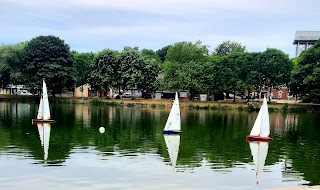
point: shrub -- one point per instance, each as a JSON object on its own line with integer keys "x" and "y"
{"x": 153, "y": 105}
{"x": 271, "y": 109}
{"x": 96, "y": 101}
{"x": 284, "y": 107}
{"x": 214, "y": 107}
{"x": 240, "y": 108}
{"x": 162, "y": 105}
{"x": 191, "y": 105}
{"x": 253, "y": 106}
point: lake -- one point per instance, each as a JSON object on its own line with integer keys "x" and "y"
{"x": 132, "y": 153}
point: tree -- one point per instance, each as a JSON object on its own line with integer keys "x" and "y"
{"x": 103, "y": 70}
{"x": 184, "y": 65}
{"x": 49, "y": 57}
{"x": 129, "y": 69}
{"x": 184, "y": 52}
{"x": 10, "y": 63}
{"x": 149, "y": 54}
{"x": 162, "y": 53}
{"x": 82, "y": 63}
{"x": 127, "y": 48}
{"x": 306, "y": 77}
{"x": 228, "y": 47}
{"x": 150, "y": 72}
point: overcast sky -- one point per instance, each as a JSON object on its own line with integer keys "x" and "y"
{"x": 93, "y": 25}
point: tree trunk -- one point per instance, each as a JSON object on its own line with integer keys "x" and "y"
{"x": 234, "y": 95}
{"x": 270, "y": 94}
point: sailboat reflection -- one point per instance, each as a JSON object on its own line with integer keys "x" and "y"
{"x": 44, "y": 133}
{"x": 259, "y": 151}
{"x": 172, "y": 143}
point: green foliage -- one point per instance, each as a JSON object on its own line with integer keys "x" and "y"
{"x": 285, "y": 107}
{"x": 10, "y": 63}
{"x": 49, "y": 57}
{"x": 82, "y": 63}
{"x": 162, "y": 53}
{"x": 306, "y": 78}
{"x": 149, "y": 54}
{"x": 228, "y": 47}
{"x": 148, "y": 80}
{"x": 129, "y": 69}
{"x": 103, "y": 70}
{"x": 97, "y": 101}
{"x": 253, "y": 106}
{"x": 240, "y": 108}
{"x": 271, "y": 109}
{"x": 184, "y": 52}
{"x": 153, "y": 105}
{"x": 191, "y": 105}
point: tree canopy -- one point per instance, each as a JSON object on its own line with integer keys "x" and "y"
{"x": 228, "y": 47}
{"x": 306, "y": 76}
{"x": 49, "y": 58}
{"x": 10, "y": 63}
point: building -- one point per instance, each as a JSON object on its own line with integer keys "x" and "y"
{"x": 305, "y": 39}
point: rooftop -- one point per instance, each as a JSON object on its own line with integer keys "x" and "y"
{"x": 304, "y": 37}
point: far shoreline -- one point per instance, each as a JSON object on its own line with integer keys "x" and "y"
{"x": 164, "y": 103}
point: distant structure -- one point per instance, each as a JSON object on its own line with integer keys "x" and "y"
{"x": 305, "y": 39}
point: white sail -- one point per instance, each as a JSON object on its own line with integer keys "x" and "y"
{"x": 255, "y": 131}
{"x": 40, "y": 114}
{"x": 265, "y": 124}
{"x": 45, "y": 102}
{"x": 261, "y": 126}
{"x": 173, "y": 123}
{"x": 172, "y": 143}
{"x": 259, "y": 151}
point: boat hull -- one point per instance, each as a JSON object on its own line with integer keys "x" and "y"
{"x": 171, "y": 132}
{"x": 257, "y": 138}
{"x": 42, "y": 121}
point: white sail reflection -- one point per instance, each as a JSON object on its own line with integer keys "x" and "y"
{"x": 259, "y": 151}
{"x": 44, "y": 134}
{"x": 172, "y": 143}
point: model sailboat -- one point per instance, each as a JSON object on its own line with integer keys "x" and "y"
{"x": 44, "y": 109}
{"x": 259, "y": 151}
{"x": 44, "y": 134}
{"x": 173, "y": 124}
{"x": 261, "y": 128}
{"x": 172, "y": 143}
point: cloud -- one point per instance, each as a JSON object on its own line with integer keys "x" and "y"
{"x": 98, "y": 24}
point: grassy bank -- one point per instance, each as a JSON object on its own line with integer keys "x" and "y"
{"x": 208, "y": 105}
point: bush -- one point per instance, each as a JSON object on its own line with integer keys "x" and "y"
{"x": 284, "y": 107}
{"x": 271, "y": 109}
{"x": 153, "y": 105}
{"x": 96, "y": 101}
{"x": 240, "y": 108}
{"x": 253, "y": 106}
{"x": 191, "y": 105}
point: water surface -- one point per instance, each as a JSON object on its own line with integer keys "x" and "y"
{"x": 132, "y": 153}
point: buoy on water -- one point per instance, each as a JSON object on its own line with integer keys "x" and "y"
{"x": 101, "y": 130}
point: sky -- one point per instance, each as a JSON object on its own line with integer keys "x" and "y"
{"x": 94, "y": 25}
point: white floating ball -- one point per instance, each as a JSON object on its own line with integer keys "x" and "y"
{"x": 102, "y": 130}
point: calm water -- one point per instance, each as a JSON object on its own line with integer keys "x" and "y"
{"x": 133, "y": 153}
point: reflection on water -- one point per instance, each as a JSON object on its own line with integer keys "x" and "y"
{"x": 133, "y": 152}
{"x": 44, "y": 134}
{"x": 172, "y": 143}
{"x": 259, "y": 151}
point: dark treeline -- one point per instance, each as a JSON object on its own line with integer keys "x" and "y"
{"x": 180, "y": 66}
